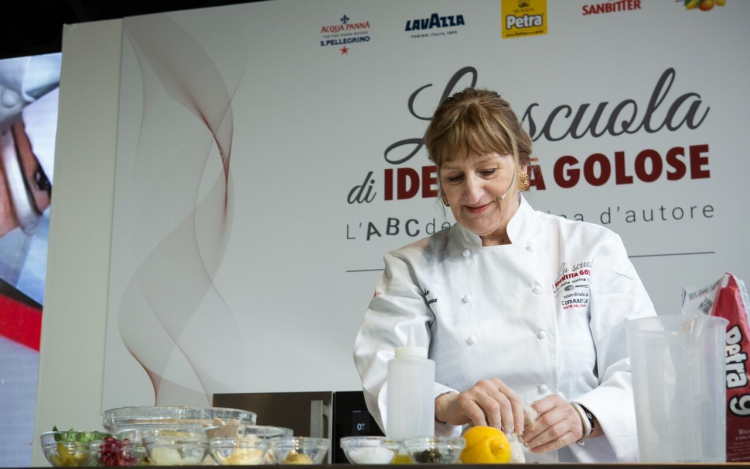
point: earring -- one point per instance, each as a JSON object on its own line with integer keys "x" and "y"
{"x": 445, "y": 201}
{"x": 523, "y": 182}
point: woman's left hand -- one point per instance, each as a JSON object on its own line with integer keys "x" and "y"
{"x": 558, "y": 425}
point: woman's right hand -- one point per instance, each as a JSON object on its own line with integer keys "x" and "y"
{"x": 490, "y": 402}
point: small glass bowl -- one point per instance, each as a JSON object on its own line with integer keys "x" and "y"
{"x": 225, "y": 414}
{"x": 65, "y": 453}
{"x": 369, "y": 449}
{"x": 117, "y": 453}
{"x": 182, "y": 450}
{"x": 434, "y": 449}
{"x": 299, "y": 450}
{"x": 239, "y": 451}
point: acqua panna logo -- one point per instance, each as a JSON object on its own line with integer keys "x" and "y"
{"x": 345, "y": 34}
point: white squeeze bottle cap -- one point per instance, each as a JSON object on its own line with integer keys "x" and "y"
{"x": 411, "y": 350}
{"x": 410, "y": 400}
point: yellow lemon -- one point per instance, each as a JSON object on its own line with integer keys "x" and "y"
{"x": 690, "y": 4}
{"x": 485, "y": 445}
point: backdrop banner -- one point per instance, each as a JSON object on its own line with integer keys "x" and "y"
{"x": 269, "y": 154}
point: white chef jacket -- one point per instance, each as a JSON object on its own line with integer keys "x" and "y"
{"x": 545, "y": 314}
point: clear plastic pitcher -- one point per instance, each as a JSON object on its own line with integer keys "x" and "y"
{"x": 678, "y": 372}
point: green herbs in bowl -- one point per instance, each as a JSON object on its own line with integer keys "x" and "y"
{"x": 69, "y": 448}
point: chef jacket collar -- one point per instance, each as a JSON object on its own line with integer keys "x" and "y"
{"x": 520, "y": 227}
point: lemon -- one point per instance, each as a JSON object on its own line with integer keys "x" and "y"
{"x": 485, "y": 445}
{"x": 690, "y": 4}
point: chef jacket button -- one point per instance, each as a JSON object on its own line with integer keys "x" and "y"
{"x": 467, "y": 253}
{"x": 467, "y": 299}
{"x": 471, "y": 340}
{"x": 542, "y": 335}
{"x": 543, "y": 388}
{"x": 529, "y": 248}
{"x": 537, "y": 289}
{"x": 10, "y": 98}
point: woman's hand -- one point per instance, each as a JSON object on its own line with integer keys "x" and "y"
{"x": 558, "y": 425}
{"x": 490, "y": 402}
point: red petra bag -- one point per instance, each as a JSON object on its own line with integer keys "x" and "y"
{"x": 728, "y": 299}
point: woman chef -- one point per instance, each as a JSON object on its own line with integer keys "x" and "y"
{"x": 516, "y": 306}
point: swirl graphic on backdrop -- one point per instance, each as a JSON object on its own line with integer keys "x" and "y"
{"x": 172, "y": 318}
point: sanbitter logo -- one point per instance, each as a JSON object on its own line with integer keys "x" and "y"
{"x": 523, "y": 18}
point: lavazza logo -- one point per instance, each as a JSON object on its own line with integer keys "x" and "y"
{"x": 434, "y": 25}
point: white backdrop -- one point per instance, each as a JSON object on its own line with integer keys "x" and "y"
{"x": 243, "y": 254}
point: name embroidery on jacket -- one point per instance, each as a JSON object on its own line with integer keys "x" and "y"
{"x": 572, "y": 285}
{"x": 428, "y": 300}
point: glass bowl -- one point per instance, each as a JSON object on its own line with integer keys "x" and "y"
{"x": 299, "y": 450}
{"x": 138, "y": 434}
{"x": 434, "y": 449}
{"x": 65, "y": 453}
{"x": 149, "y": 417}
{"x": 258, "y": 431}
{"x": 225, "y": 414}
{"x": 239, "y": 451}
{"x": 369, "y": 449}
{"x": 111, "y": 452}
{"x": 186, "y": 449}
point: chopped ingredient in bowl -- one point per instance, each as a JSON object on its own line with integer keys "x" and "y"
{"x": 64, "y": 458}
{"x": 72, "y": 436}
{"x": 172, "y": 457}
{"x": 114, "y": 452}
{"x": 374, "y": 455}
{"x": 224, "y": 429}
{"x": 402, "y": 458}
{"x": 297, "y": 458}
{"x": 429, "y": 456}
{"x": 244, "y": 456}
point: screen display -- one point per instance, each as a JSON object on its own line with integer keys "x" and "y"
{"x": 28, "y": 126}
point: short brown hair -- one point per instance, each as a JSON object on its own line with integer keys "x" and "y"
{"x": 476, "y": 121}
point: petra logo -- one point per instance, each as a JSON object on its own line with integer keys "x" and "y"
{"x": 523, "y": 21}
{"x": 523, "y": 18}
{"x": 435, "y": 21}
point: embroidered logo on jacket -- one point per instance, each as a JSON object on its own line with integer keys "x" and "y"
{"x": 572, "y": 285}
{"x": 428, "y": 300}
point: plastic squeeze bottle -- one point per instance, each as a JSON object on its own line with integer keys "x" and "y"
{"x": 411, "y": 404}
